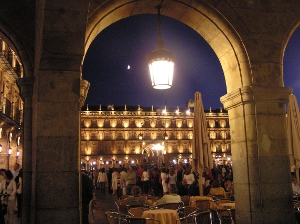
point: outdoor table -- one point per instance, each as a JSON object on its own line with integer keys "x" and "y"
{"x": 165, "y": 216}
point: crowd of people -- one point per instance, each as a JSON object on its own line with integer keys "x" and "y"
{"x": 119, "y": 181}
{"x": 165, "y": 182}
{"x": 11, "y": 193}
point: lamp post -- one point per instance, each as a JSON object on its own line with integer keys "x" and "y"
{"x": 161, "y": 61}
{"x": 8, "y": 157}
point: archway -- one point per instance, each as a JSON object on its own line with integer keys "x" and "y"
{"x": 256, "y": 112}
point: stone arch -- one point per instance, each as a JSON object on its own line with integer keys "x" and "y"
{"x": 15, "y": 42}
{"x": 201, "y": 17}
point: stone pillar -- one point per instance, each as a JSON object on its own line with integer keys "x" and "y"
{"x": 56, "y": 183}
{"x": 262, "y": 181}
{"x": 26, "y": 89}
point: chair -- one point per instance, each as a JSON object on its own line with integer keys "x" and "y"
{"x": 186, "y": 200}
{"x": 122, "y": 206}
{"x": 186, "y": 214}
{"x": 174, "y": 206}
{"x": 134, "y": 220}
{"x": 115, "y": 217}
{"x": 202, "y": 205}
{"x": 136, "y": 212}
{"x": 226, "y": 216}
{"x": 186, "y": 220}
{"x": 202, "y": 217}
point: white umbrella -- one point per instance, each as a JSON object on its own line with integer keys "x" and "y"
{"x": 293, "y": 132}
{"x": 201, "y": 151}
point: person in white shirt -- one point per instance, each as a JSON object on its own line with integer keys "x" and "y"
{"x": 16, "y": 170}
{"x": 188, "y": 177}
{"x": 102, "y": 180}
{"x": 9, "y": 189}
{"x": 145, "y": 180}
{"x": 296, "y": 188}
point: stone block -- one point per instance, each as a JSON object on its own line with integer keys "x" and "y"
{"x": 57, "y": 190}
{"x": 57, "y": 154}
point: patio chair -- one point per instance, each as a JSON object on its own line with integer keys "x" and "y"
{"x": 115, "y": 217}
{"x": 186, "y": 200}
{"x": 186, "y": 214}
{"x": 174, "y": 206}
{"x": 203, "y": 217}
{"x": 226, "y": 216}
{"x": 136, "y": 212}
{"x": 134, "y": 220}
{"x": 202, "y": 205}
{"x": 122, "y": 206}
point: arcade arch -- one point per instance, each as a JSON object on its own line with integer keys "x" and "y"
{"x": 250, "y": 52}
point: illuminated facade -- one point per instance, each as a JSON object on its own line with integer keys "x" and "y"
{"x": 113, "y": 135}
{"x": 11, "y": 108}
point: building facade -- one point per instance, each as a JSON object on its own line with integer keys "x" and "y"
{"x": 117, "y": 135}
{"x": 249, "y": 38}
{"x": 11, "y": 108}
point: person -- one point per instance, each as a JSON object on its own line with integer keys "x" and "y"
{"x": 193, "y": 189}
{"x": 130, "y": 179}
{"x": 102, "y": 180}
{"x": 172, "y": 177}
{"x": 207, "y": 188}
{"x": 172, "y": 197}
{"x": 2, "y": 171}
{"x": 145, "y": 179}
{"x": 16, "y": 170}
{"x": 136, "y": 199}
{"x": 140, "y": 172}
{"x": 228, "y": 186}
{"x": 164, "y": 180}
{"x": 293, "y": 168}
{"x": 217, "y": 190}
{"x": 155, "y": 181}
{"x": 9, "y": 189}
{"x": 117, "y": 183}
{"x": 18, "y": 181}
{"x": 109, "y": 180}
{"x": 86, "y": 194}
{"x": 123, "y": 174}
{"x": 179, "y": 175}
{"x": 188, "y": 179}
{"x": 295, "y": 186}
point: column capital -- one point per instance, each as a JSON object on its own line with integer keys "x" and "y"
{"x": 25, "y": 86}
{"x": 255, "y": 94}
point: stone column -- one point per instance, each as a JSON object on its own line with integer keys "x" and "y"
{"x": 55, "y": 150}
{"x": 262, "y": 181}
{"x": 26, "y": 88}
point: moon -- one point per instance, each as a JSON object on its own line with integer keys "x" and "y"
{"x": 128, "y": 67}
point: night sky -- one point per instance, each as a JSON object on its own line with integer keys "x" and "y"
{"x": 197, "y": 68}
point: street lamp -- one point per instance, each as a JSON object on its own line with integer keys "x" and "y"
{"x": 9, "y": 151}
{"x": 161, "y": 61}
{"x": 0, "y": 148}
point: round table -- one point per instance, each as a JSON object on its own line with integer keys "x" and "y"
{"x": 165, "y": 216}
